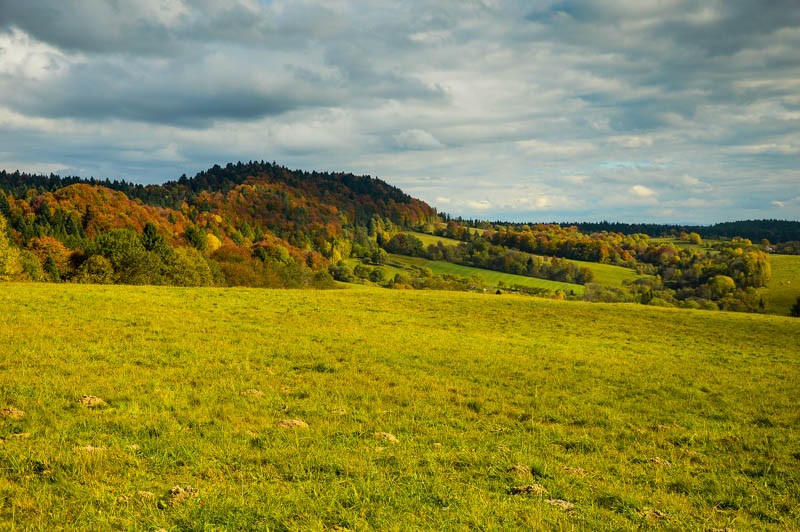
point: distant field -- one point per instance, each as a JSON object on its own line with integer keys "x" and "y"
{"x": 606, "y": 274}
{"x": 246, "y": 409}
{"x": 489, "y": 276}
{"x": 784, "y": 284}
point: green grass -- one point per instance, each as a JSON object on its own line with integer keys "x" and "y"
{"x": 490, "y": 277}
{"x": 640, "y": 417}
{"x": 606, "y": 274}
{"x": 783, "y": 287}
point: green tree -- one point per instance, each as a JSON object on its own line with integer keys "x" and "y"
{"x": 132, "y": 263}
{"x": 188, "y": 267}
{"x": 795, "y": 310}
{"x": 196, "y": 236}
{"x": 150, "y": 237}
{"x": 342, "y": 273}
{"x": 95, "y": 270}
{"x": 379, "y": 256}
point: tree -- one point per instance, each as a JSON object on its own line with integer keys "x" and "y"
{"x": 379, "y": 256}
{"x": 95, "y": 270}
{"x": 795, "y": 310}
{"x": 132, "y": 263}
{"x": 196, "y": 237}
{"x": 10, "y": 265}
{"x": 405, "y": 244}
{"x": 721, "y": 285}
{"x": 150, "y": 237}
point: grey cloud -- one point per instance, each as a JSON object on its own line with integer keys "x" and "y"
{"x": 487, "y": 97}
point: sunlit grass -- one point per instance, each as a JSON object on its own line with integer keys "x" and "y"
{"x": 783, "y": 288}
{"x": 639, "y": 417}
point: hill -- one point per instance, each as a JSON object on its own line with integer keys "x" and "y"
{"x": 262, "y": 225}
{"x": 186, "y": 408}
{"x": 254, "y": 224}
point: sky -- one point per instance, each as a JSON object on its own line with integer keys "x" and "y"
{"x": 663, "y": 111}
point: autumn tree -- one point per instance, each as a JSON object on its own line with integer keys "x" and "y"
{"x": 10, "y": 265}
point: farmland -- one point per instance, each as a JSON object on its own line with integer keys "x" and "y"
{"x": 152, "y": 407}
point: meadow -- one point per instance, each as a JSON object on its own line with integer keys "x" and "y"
{"x": 783, "y": 287}
{"x": 489, "y": 277}
{"x": 170, "y": 408}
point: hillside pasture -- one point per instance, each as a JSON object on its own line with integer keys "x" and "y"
{"x": 199, "y": 409}
{"x": 490, "y": 277}
{"x": 606, "y": 274}
{"x": 783, "y": 287}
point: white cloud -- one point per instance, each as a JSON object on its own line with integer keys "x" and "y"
{"x": 481, "y": 205}
{"x": 758, "y": 149}
{"x": 558, "y": 149}
{"x": 642, "y": 191}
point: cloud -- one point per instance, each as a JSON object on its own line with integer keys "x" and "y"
{"x": 642, "y": 191}
{"x": 417, "y": 139}
{"x": 578, "y": 109}
{"x": 558, "y": 149}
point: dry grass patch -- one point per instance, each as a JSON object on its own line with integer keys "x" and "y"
{"x": 532, "y": 489}
{"x": 391, "y": 438}
{"x": 92, "y": 401}
{"x": 291, "y": 424}
{"x": 12, "y": 413}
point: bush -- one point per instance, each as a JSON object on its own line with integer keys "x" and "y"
{"x": 795, "y": 310}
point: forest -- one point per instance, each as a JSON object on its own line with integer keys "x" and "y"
{"x": 260, "y": 224}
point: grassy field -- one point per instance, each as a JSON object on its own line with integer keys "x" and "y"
{"x": 606, "y": 274}
{"x": 783, "y": 288}
{"x": 489, "y": 276}
{"x": 255, "y": 409}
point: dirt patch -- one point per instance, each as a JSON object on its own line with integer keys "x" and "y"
{"x": 391, "y": 438}
{"x": 561, "y": 503}
{"x": 12, "y": 413}
{"x": 532, "y": 489}
{"x": 254, "y": 392}
{"x": 92, "y": 401}
{"x": 19, "y": 435}
{"x": 146, "y": 495}
{"x": 292, "y": 424}
{"x": 520, "y": 470}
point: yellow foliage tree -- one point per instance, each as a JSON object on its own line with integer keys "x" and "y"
{"x": 10, "y": 265}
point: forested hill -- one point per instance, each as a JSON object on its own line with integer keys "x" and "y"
{"x": 248, "y": 220}
{"x": 773, "y": 230}
{"x": 362, "y": 196}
